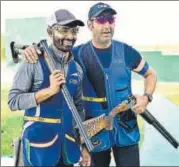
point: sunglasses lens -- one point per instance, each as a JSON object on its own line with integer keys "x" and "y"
{"x": 100, "y": 20}
{"x": 103, "y": 20}
{"x": 111, "y": 20}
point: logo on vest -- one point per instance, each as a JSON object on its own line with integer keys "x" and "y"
{"x": 96, "y": 143}
{"x": 73, "y": 81}
{"x": 74, "y": 74}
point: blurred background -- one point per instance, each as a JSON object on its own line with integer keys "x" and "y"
{"x": 149, "y": 26}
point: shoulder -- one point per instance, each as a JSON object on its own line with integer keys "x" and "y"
{"x": 118, "y": 42}
{"x": 132, "y": 57}
{"x": 26, "y": 73}
{"x": 126, "y": 46}
{"x": 79, "y": 70}
{"x": 28, "y": 68}
{"x": 130, "y": 49}
{"x": 76, "y": 49}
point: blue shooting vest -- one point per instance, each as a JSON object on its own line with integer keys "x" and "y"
{"x": 45, "y": 143}
{"x": 114, "y": 84}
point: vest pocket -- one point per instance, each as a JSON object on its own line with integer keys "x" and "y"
{"x": 127, "y": 133}
{"x": 41, "y": 145}
{"x": 121, "y": 92}
{"x": 71, "y": 150}
{"x": 44, "y": 145}
{"x": 101, "y": 141}
{"x": 128, "y": 126}
{"x": 127, "y": 120}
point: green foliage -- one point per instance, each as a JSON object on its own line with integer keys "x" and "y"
{"x": 167, "y": 67}
{"x": 11, "y": 123}
{"x": 10, "y": 129}
{"x": 2, "y": 47}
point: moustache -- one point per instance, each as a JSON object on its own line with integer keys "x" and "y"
{"x": 107, "y": 30}
{"x": 66, "y": 41}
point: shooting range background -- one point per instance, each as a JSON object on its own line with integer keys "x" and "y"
{"x": 161, "y": 52}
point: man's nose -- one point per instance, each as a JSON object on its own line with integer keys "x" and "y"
{"x": 70, "y": 35}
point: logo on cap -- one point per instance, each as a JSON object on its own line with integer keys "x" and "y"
{"x": 102, "y": 6}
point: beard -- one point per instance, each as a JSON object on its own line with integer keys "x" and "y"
{"x": 103, "y": 39}
{"x": 64, "y": 44}
{"x": 105, "y": 36}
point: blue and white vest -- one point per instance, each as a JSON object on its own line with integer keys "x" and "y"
{"x": 114, "y": 84}
{"x": 45, "y": 143}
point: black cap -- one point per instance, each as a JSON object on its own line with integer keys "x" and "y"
{"x": 63, "y": 17}
{"x": 99, "y": 8}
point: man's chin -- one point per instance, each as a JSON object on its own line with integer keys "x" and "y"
{"x": 67, "y": 48}
{"x": 106, "y": 40}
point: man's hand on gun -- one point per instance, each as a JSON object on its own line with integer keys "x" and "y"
{"x": 30, "y": 54}
{"x": 56, "y": 80}
{"x": 86, "y": 158}
{"x": 141, "y": 104}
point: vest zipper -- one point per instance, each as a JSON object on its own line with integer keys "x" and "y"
{"x": 109, "y": 103}
{"x": 108, "y": 95}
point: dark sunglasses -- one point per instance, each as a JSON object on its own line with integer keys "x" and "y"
{"x": 104, "y": 19}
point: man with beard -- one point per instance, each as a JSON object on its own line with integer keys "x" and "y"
{"x": 107, "y": 65}
{"x": 48, "y": 137}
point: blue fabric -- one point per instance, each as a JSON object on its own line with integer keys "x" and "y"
{"x": 114, "y": 83}
{"x": 144, "y": 69}
{"x": 104, "y": 56}
{"x": 39, "y": 132}
{"x": 131, "y": 56}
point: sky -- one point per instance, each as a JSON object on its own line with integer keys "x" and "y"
{"x": 137, "y": 22}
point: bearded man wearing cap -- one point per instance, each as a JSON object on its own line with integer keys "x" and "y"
{"x": 48, "y": 137}
{"x": 107, "y": 65}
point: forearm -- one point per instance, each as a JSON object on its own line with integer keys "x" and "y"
{"x": 150, "y": 81}
{"x": 43, "y": 95}
{"x": 21, "y": 101}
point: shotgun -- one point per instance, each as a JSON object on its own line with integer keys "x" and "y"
{"x": 95, "y": 125}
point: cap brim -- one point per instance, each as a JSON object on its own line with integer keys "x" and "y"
{"x": 110, "y": 10}
{"x": 72, "y": 23}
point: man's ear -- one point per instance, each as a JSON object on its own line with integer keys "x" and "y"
{"x": 90, "y": 24}
{"x": 49, "y": 31}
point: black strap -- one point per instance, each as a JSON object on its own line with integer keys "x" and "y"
{"x": 94, "y": 73}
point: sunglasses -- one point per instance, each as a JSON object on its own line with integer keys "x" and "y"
{"x": 66, "y": 30}
{"x": 104, "y": 19}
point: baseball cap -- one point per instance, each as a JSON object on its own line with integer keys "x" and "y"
{"x": 99, "y": 8}
{"x": 63, "y": 17}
